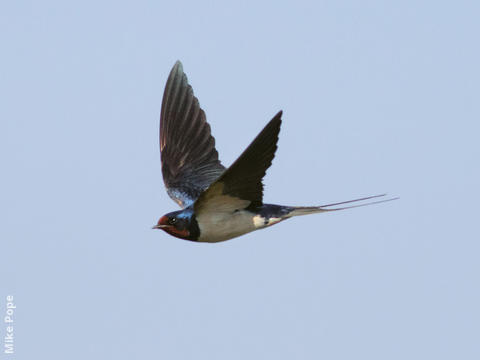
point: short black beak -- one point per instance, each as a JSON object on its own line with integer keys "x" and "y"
{"x": 162, "y": 223}
{"x": 159, "y": 226}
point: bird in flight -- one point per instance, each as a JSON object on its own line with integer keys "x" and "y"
{"x": 217, "y": 203}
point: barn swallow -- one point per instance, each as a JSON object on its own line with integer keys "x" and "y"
{"x": 217, "y": 203}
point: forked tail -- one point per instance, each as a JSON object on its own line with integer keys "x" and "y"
{"x": 305, "y": 210}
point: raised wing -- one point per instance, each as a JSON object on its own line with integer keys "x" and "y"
{"x": 189, "y": 158}
{"x": 241, "y": 184}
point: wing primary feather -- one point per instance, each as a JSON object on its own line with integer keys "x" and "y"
{"x": 188, "y": 155}
{"x": 243, "y": 179}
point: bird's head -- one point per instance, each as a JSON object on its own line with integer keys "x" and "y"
{"x": 181, "y": 224}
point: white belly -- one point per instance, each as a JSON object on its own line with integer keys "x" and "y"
{"x": 220, "y": 226}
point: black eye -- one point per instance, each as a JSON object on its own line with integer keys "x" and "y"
{"x": 173, "y": 220}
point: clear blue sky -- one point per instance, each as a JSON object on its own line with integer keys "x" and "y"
{"x": 377, "y": 97}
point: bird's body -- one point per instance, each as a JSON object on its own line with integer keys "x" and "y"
{"x": 223, "y": 225}
{"x": 218, "y": 203}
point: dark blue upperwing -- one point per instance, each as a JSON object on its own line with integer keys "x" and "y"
{"x": 242, "y": 181}
{"x": 189, "y": 158}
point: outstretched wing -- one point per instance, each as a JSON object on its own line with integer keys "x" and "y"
{"x": 189, "y": 158}
{"x": 241, "y": 184}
